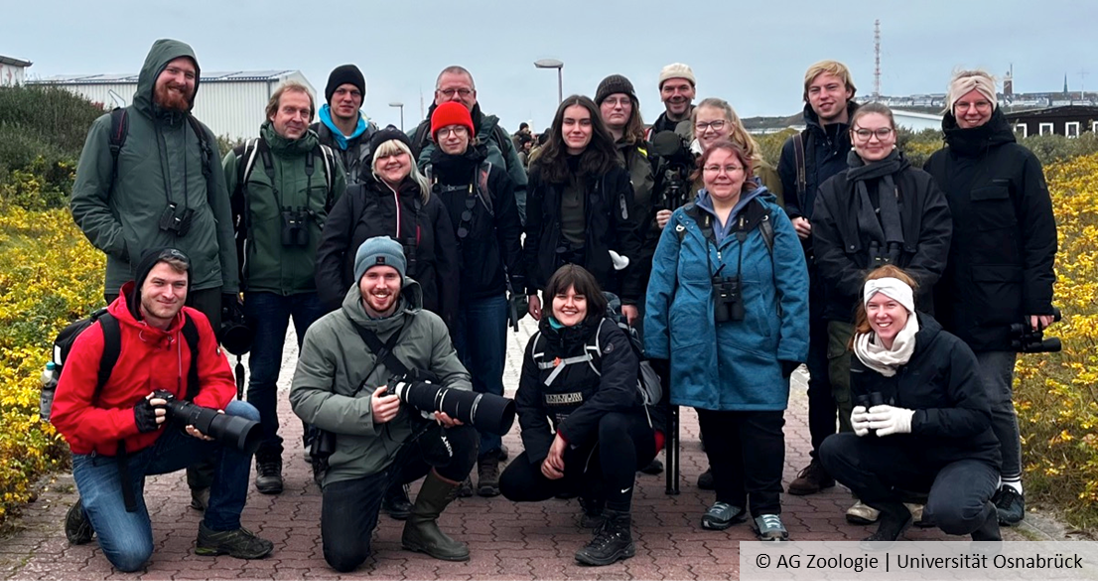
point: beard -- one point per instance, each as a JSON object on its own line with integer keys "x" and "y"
{"x": 173, "y": 101}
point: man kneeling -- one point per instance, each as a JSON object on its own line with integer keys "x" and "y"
{"x": 341, "y": 386}
{"x": 119, "y": 432}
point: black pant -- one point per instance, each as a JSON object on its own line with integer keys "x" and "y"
{"x": 821, "y": 402}
{"x": 349, "y": 508}
{"x": 606, "y": 469}
{"x": 746, "y": 450}
{"x": 876, "y": 470}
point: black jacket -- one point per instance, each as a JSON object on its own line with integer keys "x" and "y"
{"x": 578, "y": 398}
{"x": 842, "y": 248}
{"x": 1001, "y": 258}
{"x": 941, "y": 383}
{"x": 491, "y": 249}
{"x": 825, "y": 150}
{"x": 357, "y": 157}
{"x": 611, "y": 225}
{"x": 368, "y": 210}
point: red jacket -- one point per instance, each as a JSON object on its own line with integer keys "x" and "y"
{"x": 150, "y": 359}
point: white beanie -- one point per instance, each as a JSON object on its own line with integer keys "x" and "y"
{"x": 677, "y": 71}
{"x": 965, "y": 81}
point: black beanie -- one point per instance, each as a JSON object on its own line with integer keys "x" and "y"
{"x": 148, "y": 261}
{"x": 388, "y": 134}
{"x": 344, "y": 75}
{"x": 614, "y": 84}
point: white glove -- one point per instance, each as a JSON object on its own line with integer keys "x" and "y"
{"x": 859, "y": 419}
{"x": 888, "y": 420}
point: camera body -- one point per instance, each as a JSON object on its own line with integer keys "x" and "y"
{"x": 295, "y": 227}
{"x": 1025, "y": 340}
{"x": 675, "y": 161}
{"x": 727, "y": 299}
{"x": 868, "y": 401}
{"x": 176, "y": 221}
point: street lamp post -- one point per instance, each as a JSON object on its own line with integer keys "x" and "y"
{"x": 554, "y": 64}
{"x": 401, "y": 106}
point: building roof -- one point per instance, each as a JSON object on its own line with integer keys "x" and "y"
{"x": 1060, "y": 111}
{"x": 207, "y": 77}
{"x": 7, "y": 60}
{"x": 916, "y": 115}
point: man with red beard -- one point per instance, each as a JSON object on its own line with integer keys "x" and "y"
{"x": 164, "y": 187}
{"x": 341, "y": 386}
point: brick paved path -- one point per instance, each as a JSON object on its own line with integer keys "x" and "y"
{"x": 507, "y": 540}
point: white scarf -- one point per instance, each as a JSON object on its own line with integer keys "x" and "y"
{"x": 873, "y": 354}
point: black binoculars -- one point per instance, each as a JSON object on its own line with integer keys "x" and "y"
{"x": 869, "y": 401}
{"x": 295, "y": 227}
{"x": 727, "y": 299}
{"x": 1025, "y": 340}
{"x": 881, "y": 256}
{"x": 176, "y": 221}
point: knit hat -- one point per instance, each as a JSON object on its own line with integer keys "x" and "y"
{"x": 344, "y": 75}
{"x": 148, "y": 261}
{"x": 451, "y": 113}
{"x": 615, "y": 84}
{"x": 388, "y": 134}
{"x": 379, "y": 251}
{"x": 965, "y": 81}
{"x": 677, "y": 71}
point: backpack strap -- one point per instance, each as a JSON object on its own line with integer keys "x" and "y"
{"x": 798, "y": 155}
{"x": 206, "y": 151}
{"x": 328, "y": 157}
{"x": 116, "y": 139}
{"x": 241, "y": 206}
{"x": 482, "y": 187}
{"x": 112, "y": 349}
{"x": 190, "y": 335}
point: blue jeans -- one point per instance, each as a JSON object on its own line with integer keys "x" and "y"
{"x": 481, "y": 342}
{"x": 270, "y": 314}
{"x": 126, "y": 537}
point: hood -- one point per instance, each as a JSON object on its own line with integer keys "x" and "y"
{"x": 977, "y": 140}
{"x": 928, "y": 331}
{"x": 282, "y": 146}
{"x": 704, "y": 202}
{"x": 162, "y": 52}
{"x": 411, "y": 303}
{"x": 812, "y": 120}
{"x": 484, "y": 124}
{"x": 120, "y": 309}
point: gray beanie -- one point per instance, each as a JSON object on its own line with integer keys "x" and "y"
{"x": 379, "y": 251}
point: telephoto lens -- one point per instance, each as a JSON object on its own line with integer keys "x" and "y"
{"x": 241, "y": 433}
{"x": 486, "y": 412}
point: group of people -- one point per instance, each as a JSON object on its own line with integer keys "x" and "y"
{"x": 407, "y": 257}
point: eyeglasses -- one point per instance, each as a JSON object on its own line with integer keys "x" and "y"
{"x": 882, "y": 133}
{"x": 456, "y": 130}
{"x": 615, "y": 101}
{"x": 716, "y": 169}
{"x": 715, "y": 125}
{"x": 451, "y": 92}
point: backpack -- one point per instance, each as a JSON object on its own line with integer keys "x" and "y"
{"x": 112, "y": 348}
{"x": 120, "y": 129}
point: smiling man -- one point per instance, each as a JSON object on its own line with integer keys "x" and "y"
{"x": 677, "y": 90}
{"x": 341, "y": 124}
{"x": 280, "y": 211}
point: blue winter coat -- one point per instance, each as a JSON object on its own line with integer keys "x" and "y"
{"x": 735, "y": 365}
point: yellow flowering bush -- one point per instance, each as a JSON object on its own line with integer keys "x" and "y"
{"x": 49, "y": 276}
{"x": 1056, "y": 394}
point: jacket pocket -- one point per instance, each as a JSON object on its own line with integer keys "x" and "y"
{"x": 993, "y": 207}
{"x": 998, "y": 291}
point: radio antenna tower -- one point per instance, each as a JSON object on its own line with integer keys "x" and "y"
{"x": 877, "y": 60}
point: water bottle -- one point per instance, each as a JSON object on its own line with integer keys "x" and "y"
{"x": 49, "y": 386}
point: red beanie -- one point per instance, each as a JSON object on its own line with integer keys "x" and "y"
{"x": 451, "y": 113}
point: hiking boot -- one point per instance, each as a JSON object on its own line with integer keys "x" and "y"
{"x": 78, "y": 529}
{"x": 653, "y": 467}
{"x": 395, "y": 503}
{"x": 239, "y": 543}
{"x": 488, "y": 476}
{"x": 503, "y": 453}
{"x": 200, "y": 498}
{"x": 894, "y": 520}
{"x": 1011, "y": 506}
{"x": 769, "y": 527}
{"x": 862, "y": 514}
{"x": 989, "y": 531}
{"x": 592, "y": 512}
{"x": 722, "y": 515}
{"x": 811, "y": 480}
{"x": 465, "y": 489}
{"x": 421, "y": 532}
{"x": 268, "y": 473}
{"x": 705, "y": 480}
{"x": 613, "y": 541}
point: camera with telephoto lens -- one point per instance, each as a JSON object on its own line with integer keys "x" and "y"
{"x": 672, "y": 169}
{"x": 868, "y": 401}
{"x": 486, "y": 412}
{"x": 240, "y": 433}
{"x": 1025, "y": 340}
{"x": 727, "y": 298}
{"x": 295, "y": 227}
{"x": 176, "y": 221}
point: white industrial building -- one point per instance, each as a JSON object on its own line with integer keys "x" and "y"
{"x": 915, "y": 121}
{"x": 11, "y": 71}
{"x": 232, "y": 104}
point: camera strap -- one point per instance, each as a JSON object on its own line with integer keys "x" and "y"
{"x": 383, "y": 352}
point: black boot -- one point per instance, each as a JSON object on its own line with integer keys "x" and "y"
{"x": 395, "y": 503}
{"x": 421, "y": 532}
{"x": 613, "y": 541}
{"x": 592, "y": 512}
{"x": 268, "y": 472}
{"x": 895, "y": 518}
{"x": 989, "y": 531}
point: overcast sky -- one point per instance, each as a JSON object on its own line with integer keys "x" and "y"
{"x": 751, "y": 53}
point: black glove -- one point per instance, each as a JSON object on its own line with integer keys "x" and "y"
{"x": 144, "y": 415}
{"x": 788, "y": 367}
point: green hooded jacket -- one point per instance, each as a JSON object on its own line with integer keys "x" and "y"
{"x": 268, "y": 265}
{"x": 337, "y": 374}
{"x": 160, "y": 163}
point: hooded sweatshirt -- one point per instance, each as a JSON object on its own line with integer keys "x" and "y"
{"x": 159, "y": 164}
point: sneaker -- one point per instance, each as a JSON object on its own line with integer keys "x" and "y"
{"x": 721, "y": 516}
{"x": 268, "y": 474}
{"x": 811, "y": 480}
{"x": 705, "y": 480}
{"x": 862, "y": 514}
{"x": 653, "y": 467}
{"x": 200, "y": 498}
{"x": 395, "y": 503}
{"x": 78, "y": 529}
{"x": 240, "y": 543}
{"x": 1011, "y": 505}
{"x": 488, "y": 476}
{"x": 465, "y": 489}
{"x": 769, "y": 527}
